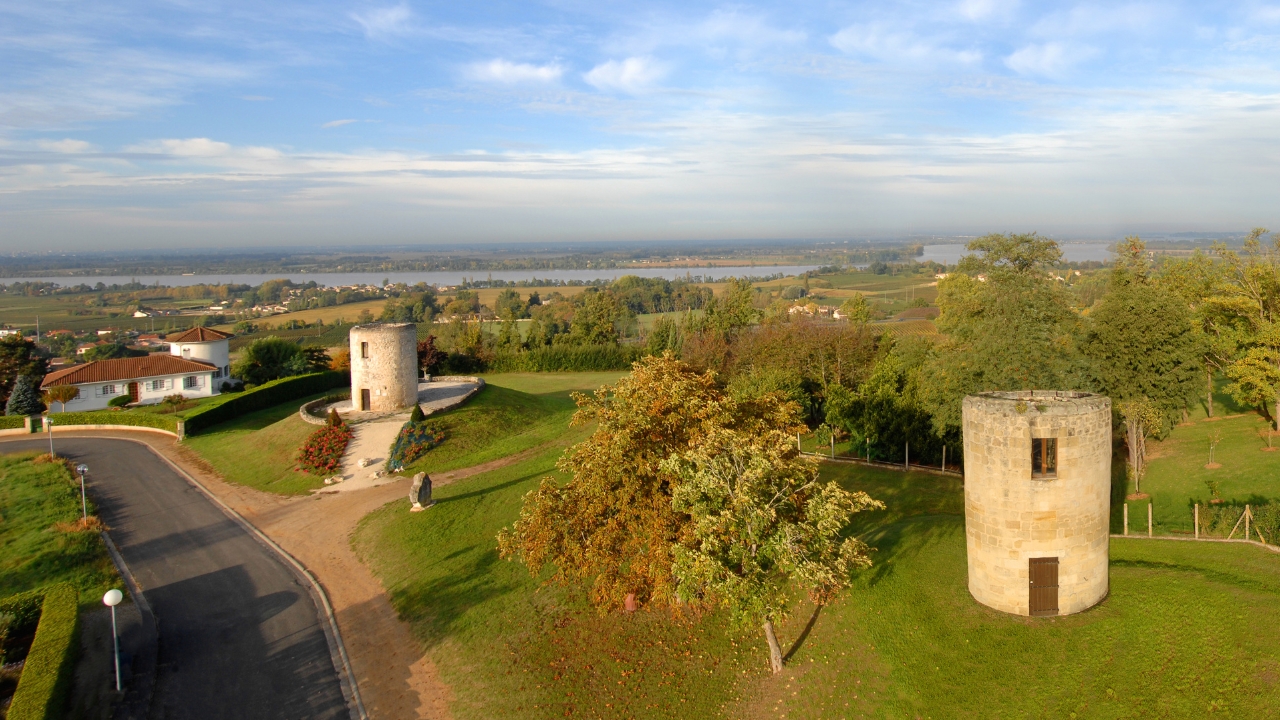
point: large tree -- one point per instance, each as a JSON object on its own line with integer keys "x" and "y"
{"x": 1007, "y": 324}
{"x": 269, "y": 358}
{"x": 613, "y": 523}
{"x": 1217, "y": 313}
{"x": 761, "y": 523}
{"x": 1255, "y": 289}
{"x": 19, "y": 356}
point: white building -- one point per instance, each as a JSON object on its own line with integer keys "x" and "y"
{"x": 145, "y": 380}
{"x": 203, "y": 345}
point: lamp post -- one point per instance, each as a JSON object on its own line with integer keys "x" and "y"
{"x": 84, "y": 506}
{"x": 111, "y": 599}
{"x": 48, "y": 423}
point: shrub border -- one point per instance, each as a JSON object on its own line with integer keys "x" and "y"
{"x": 46, "y": 677}
{"x": 264, "y": 396}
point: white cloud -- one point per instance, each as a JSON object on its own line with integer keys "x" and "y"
{"x": 1050, "y": 59}
{"x": 890, "y": 44}
{"x": 339, "y": 123}
{"x": 631, "y": 75}
{"x": 184, "y": 148}
{"x": 1267, "y": 13}
{"x": 381, "y": 22}
{"x": 65, "y": 146}
{"x": 983, "y": 9}
{"x": 255, "y": 98}
{"x": 750, "y": 30}
{"x": 505, "y": 71}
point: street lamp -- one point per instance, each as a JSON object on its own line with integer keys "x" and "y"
{"x": 84, "y": 506}
{"x": 48, "y": 423}
{"x": 111, "y": 600}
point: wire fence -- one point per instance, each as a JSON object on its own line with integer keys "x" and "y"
{"x": 827, "y": 446}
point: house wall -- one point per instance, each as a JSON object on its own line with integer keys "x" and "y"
{"x": 217, "y": 353}
{"x": 93, "y": 397}
{"x": 1011, "y": 517}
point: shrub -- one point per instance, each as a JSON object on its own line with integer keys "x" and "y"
{"x": 334, "y": 419}
{"x": 46, "y": 677}
{"x": 322, "y": 452}
{"x": 417, "y": 415}
{"x": 112, "y": 417}
{"x": 25, "y": 398}
{"x": 568, "y": 358}
{"x": 264, "y": 396}
{"x": 120, "y": 401}
{"x": 270, "y": 358}
{"x": 413, "y": 441}
{"x": 11, "y": 422}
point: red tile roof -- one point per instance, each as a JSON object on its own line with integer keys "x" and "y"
{"x": 199, "y": 334}
{"x": 125, "y": 369}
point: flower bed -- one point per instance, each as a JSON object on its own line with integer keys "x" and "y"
{"x": 322, "y": 452}
{"x": 414, "y": 440}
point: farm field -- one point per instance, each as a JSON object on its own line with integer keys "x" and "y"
{"x": 38, "y": 504}
{"x": 1182, "y": 634}
{"x": 330, "y": 315}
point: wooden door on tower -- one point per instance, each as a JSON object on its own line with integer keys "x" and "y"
{"x": 364, "y": 400}
{"x": 1043, "y": 586}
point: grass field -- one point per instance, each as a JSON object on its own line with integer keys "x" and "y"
{"x": 260, "y": 449}
{"x": 34, "y": 498}
{"x": 329, "y": 315}
{"x": 1184, "y": 633}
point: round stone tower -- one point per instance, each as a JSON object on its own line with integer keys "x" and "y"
{"x": 384, "y": 367}
{"x": 1037, "y": 500}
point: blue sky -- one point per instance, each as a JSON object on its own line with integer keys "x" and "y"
{"x": 185, "y": 124}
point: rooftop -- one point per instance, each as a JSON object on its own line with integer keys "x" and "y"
{"x": 199, "y": 334}
{"x": 125, "y": 369}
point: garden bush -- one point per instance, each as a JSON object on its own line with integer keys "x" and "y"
{"x": 322, "y": 452}
{"x": 115, "y": 417}
{"x": 413, "y": 441}
{"x": 568, "y": 358}
{"x": 120, "y": 401}
{"x": 264, "y": 396}
{"x": 46, "y": 677}
{"x": 11, "y": 422}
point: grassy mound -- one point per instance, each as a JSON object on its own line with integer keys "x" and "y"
{"x": 1183, "y": 633}
{"x": 40, "y": 542}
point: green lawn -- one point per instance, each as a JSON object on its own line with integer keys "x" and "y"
{"x": 1185, "y": 631}
{"x": 260, "y": 449}
{"x": 33, "y": 499}
{"x": 515, "y": 412}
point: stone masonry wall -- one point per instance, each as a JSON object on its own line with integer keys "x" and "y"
{"x": 1011, "y": 517}
{"x": 390, "y": 372}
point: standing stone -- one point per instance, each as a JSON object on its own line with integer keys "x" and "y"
{"x": 420, "y": 493}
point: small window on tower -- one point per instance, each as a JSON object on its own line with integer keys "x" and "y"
{"x": 1044, "y": 457}
{"x": 364, "y": 350}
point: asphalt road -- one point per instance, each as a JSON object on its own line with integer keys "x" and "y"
{"x": 240, "y": 636}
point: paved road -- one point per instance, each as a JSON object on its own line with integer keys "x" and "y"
{"x": 240, "y": 636}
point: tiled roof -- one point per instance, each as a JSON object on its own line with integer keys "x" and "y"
{"x": 199, "y": 334}
{"x": 125, "y": 369}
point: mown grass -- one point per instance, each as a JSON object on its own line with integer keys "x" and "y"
{"x": 260, "y": 449}
{"x": 1185, "y": 632}
{"x": 34, "y": 497}
{"x": 514, "y": 412}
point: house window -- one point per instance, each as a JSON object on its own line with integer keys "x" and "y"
{"x": 108, "y": 389}
{"x": 364, "y": 350}
{"x": 1044, "y": 457}
{"x": 190, "y": 382}
{"x": 217, "y": 373}
{"x": 154, "y": 385}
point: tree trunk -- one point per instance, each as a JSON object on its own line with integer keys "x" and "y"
{"x": 1209, "y": 372}
{"x": 775, "y": 650}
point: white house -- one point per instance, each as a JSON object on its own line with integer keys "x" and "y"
{"x": 204, "y": 345}
{"x": 145, "y": 380}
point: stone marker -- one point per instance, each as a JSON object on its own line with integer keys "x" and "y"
{"x": 420, "y": 493}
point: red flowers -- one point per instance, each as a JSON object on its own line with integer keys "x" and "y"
{"x": 322, "y": 452}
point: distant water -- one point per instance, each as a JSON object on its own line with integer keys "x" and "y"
{"x": 436, "y": 278}
{"x": 1071, "y": 252}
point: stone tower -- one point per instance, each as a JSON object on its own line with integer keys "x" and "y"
{"x": 1037, "y": 500}
{"x": 384, "y": 367}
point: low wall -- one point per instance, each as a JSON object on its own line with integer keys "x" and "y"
{"x": 307, "y": 411}
{"x": 457, "y": 378}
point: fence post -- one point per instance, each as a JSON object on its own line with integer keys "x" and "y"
{"x": 1197, "y": 520}
{"x": 907, "y": 458}
{"x": 1126, "y": 518}
{"x": 833, "y": 445}
{"x": 798, "y": 448}
{"x": 944, "y": 458}
{"x": 1247, "y": 517}
{"x": 1149, "y": 520}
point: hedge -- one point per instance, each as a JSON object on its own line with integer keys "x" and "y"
{"x": 264, "y": 396}
{"x": 46, "y": 677}
{"x": 116, "y": 417}
{"x": 11, "y": 422}
{"x": 568, "y": 358}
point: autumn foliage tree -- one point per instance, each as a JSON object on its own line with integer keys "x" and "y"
{"x": 613, "y": 524}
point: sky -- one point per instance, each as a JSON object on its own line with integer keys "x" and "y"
{"x": 182, "y": 124}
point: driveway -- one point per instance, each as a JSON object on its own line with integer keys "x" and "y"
{"x": 240, "y": 636}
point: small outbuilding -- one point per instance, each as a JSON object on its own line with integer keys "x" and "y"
{"x": 1037, "y": 496}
